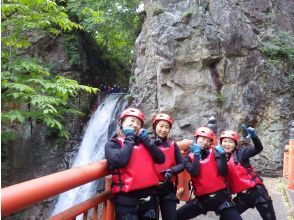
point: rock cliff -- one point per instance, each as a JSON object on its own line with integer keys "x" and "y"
{"x": 200, "y": 58}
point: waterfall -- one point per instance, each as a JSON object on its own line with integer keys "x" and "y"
{"x": 101, "y": 126}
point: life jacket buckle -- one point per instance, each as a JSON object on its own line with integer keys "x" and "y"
{"x": 146, "y": 199}
{"x": 212, "y": 195}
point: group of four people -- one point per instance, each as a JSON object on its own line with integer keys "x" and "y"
{"x": 144, "y": 172}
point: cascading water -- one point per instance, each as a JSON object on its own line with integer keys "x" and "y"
{"x": 100, "y": 127}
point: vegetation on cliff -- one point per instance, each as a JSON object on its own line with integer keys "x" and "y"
{"x": 31, "y": 92}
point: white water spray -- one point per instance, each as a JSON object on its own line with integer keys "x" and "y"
{"x": 100, "y": 127}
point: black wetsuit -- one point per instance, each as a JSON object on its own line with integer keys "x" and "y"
{"x": 220, "y": 202}
{"x": 257, "y": 196}
{"x": 166, "y": 192}
{"x": 137, "y": 204}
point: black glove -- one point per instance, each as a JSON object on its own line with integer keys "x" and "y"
{"x": 158, "y": 141}
{"x": 168, "y": 175}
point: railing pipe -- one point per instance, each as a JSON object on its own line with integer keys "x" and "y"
{"x": 95, "y": 213}
{"x": 109, "y": 206}
{"x": 82, "y": 207}
{"x": 291, "y": 165}
{"x": 18, "y": 196}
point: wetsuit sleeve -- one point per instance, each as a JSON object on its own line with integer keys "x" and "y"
{"x": 252, "y": 150}
{"x": 222, "y": 165}
{"x": 116, "y": 156}
{"x": 157, "y": 155}
{"x": 180, "y": 166}
{"x": 194, "y": 168}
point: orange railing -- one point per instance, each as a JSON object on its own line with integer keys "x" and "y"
{"x": 84, "y": 207}
{"x": 288, "y": 167}
{"x": 16, "y": 197}
{"x": 19, "y": 196}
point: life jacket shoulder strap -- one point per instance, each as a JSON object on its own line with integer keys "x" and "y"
{"x": 235, "y": 157}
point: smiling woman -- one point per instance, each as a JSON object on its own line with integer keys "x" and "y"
{"x": 173, "y": 164}
{"x": 242, "y": 178}
{"x": 128, "y": 153}
{"x": 229, "y": 140}
{"x": 207, "y": 167}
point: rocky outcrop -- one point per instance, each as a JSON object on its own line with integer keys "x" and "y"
{"x": 200, "y": 58}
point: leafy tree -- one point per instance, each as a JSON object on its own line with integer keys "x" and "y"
{"x": 113, "y": 23}
{"x": 26, "y": 82}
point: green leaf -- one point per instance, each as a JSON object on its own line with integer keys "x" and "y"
{"x": 13, "y": 115}
{"x": 27, "y": 82}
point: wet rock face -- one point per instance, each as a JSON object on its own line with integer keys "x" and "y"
{"x": 195, "y": 59}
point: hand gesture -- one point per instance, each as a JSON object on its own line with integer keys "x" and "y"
{"x": 168, "y": 175}
{"x": 142, "y": 134}
{"x": 219, "y": 149}
{"x": 158, "y": 141}
{"x": 195, "y": 148}
{"x": 251, "y": 132}
{"x": 129, "y": 132}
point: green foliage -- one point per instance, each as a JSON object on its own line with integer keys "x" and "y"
{"x": 292, "y": 83}
{"x": 192, "y": 10}
{"x": 47, "y": 97}
{"x": 279, "y": 48}
{"x": 22, "y": 17}
{"x": 129, "y": 97}
{"x": 113, "y": 23}
{"x": 4, "y": 153}
{"x": 132, "y": 78}
{"x": 26, "y": 83}
{"x": 71, "y": 45}
{"x": 8, "y": 135}
{"x": 220, "y": 98}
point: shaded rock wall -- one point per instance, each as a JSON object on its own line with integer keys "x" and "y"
{"x": 200, "y": 58}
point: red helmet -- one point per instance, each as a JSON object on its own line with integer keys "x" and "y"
{"x": 204, "y": 132}
{"x": 229, "y": 134}
{"x": 162, "y": 116}
{"x": 132, "y": 112}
